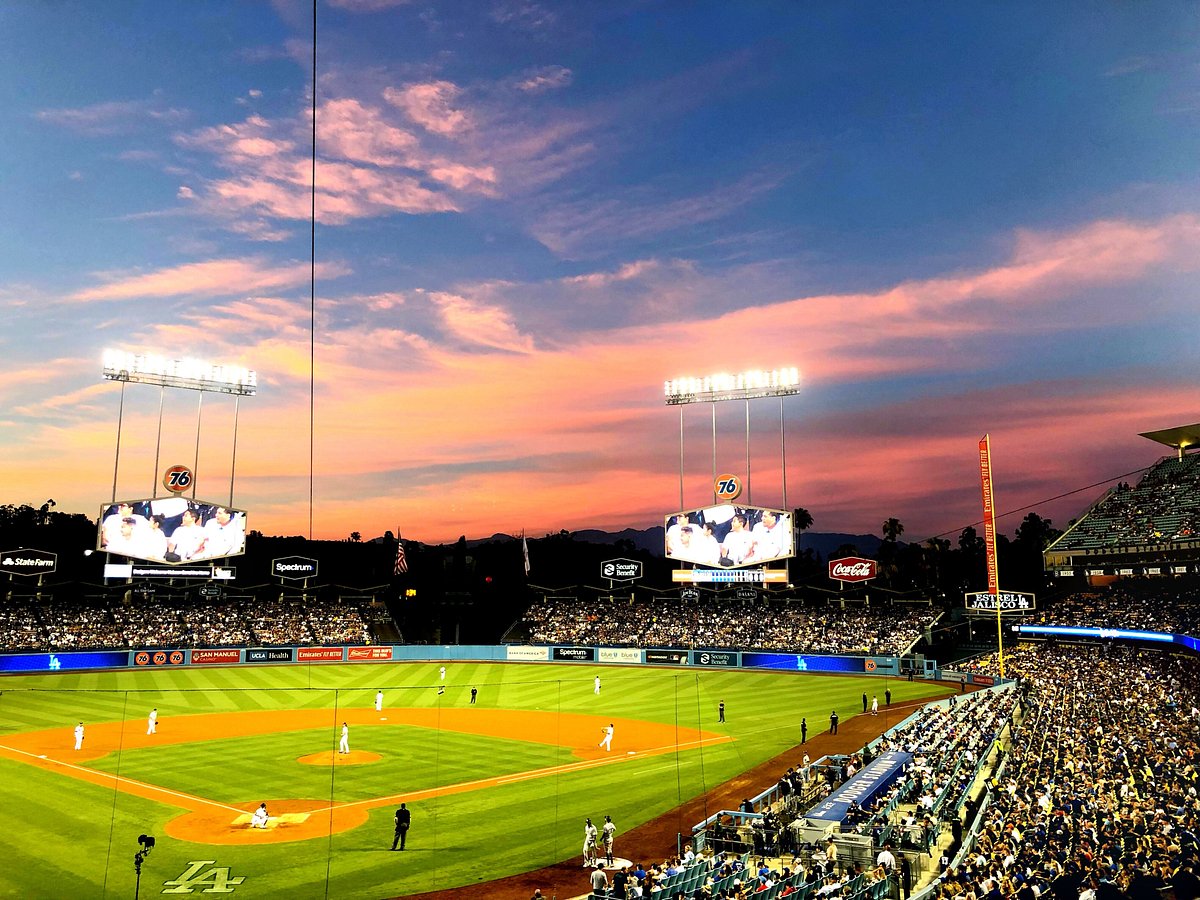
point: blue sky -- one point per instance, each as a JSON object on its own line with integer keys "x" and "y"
{"x": 953, "y": 218}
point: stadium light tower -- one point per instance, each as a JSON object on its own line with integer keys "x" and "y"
{"x": 186, "y": 373}
{"x": 745, "y": 386}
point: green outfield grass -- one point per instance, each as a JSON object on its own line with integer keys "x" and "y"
{"x": 69, "y": 838}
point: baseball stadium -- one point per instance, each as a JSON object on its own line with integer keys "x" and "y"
{"x": 467, "y": 243}
{"x": 741, "y": 742}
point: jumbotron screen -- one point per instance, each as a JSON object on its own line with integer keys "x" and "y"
{"x": 729, "y": 536}
{"x": 171, "y": 530}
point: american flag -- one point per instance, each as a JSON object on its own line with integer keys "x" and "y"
{"x": 401, "y": 560}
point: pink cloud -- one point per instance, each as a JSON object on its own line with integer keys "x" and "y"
{"x": 431, "y": 105}
{"x": 481, "y": 325}
{"x": 213, "y": 278}
{"x": 556, "y": 436}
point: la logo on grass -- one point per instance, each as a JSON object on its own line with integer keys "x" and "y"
{"x": 216, "y": 880}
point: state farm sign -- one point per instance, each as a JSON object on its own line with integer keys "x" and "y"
{"x": 853, "y": 568}
{"x": 27, "y": 562}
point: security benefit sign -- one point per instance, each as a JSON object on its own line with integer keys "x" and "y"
{"x": 621, "y": 569}
{"x": 1005, "y": 601}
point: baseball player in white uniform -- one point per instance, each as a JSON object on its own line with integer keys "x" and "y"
{"x": 79, "y": 736}
{"x": 152, "y": 721}
{"x": 378, "y": 701}
{"x": 260, "y": 817}
{"x": 589, "y": 844}
{"x": 344, "y": 744}
{"x": 606, "y": 743}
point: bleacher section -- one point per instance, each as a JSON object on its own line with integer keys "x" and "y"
{"x": 1160, "y": 512}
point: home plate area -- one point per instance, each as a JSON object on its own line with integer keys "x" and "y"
{"x": 285, "y": 819}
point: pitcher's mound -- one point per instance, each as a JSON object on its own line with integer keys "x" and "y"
{"x": 331, "y": 758}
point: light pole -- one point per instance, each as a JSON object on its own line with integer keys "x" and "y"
{"x": 188, "y": 374}
{"x": 745, "y": 386}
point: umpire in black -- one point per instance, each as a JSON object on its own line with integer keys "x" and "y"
{"x": 403, "y": 819}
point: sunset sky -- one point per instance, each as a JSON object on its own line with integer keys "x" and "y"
{"x": 953, "y": 218}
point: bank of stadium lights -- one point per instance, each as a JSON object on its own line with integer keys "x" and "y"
{"x": 742, "y": 386}
{"x": 192, "y": 374}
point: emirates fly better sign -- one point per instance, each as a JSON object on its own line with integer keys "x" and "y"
{"x": 853, "y": 568}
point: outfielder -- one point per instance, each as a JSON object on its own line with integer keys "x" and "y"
{"x": 152, "y": 721}
{"x": 344, "y": 744}
{"x": 378, "y": 701}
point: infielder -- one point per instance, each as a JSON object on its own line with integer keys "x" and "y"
{"x": 79, "y": 736}
{"x": 606, "y": 742}
{"x": 378, "y": 701}
{"x": 596, "y": 682}
{"x": 344, "y": 744}
{"x": 152, "y": 721}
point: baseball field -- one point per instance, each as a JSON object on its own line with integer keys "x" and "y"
{"x": 495, "y": 788}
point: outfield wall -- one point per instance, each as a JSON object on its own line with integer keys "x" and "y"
{"x": 25, "y": 663}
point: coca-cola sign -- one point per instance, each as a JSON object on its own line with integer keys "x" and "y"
{"x": 853, "y": 568}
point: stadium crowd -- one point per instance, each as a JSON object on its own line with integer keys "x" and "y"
{"x": 1161, "y": 509}
{"x": 713, "y": 622}
{"x": 1098, "y": 798}
{"x": 1147, "y": 605}
{"x": 51, "y": 624}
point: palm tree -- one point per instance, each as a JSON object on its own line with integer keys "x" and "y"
{"x": 892, "y": 529}
{"x": 355, "y": 536}
{"x": 802, "y": 518}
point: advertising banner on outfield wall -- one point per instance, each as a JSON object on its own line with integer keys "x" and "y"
{"x": 620, "y": 655}
{"x": 714, "y": 658}
{"x": 527, "y": 654}
{"x": 356, "y": 654}
{"x": 54, "y": 662}
{"x": 217, "y": 657}
{"x": 324, "y": 654}
{"x": 801, "y": 663}
{"x": 667, "y": 657}
{"x": 575, "y": 654}
{"x": 159, "y": 658}
{"x": 269, "y": 654}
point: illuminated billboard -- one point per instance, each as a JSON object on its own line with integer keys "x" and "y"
{"x": 729, "y": 536}
{"x": 171, "y": 530}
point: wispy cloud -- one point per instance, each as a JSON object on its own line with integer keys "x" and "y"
{"x": 214, "y": 278}
{"x": 476, "y": 324}
{"x": 547, "y": 78}
{"x": 112, "y": 117}
{"x": 583, "y": 228}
